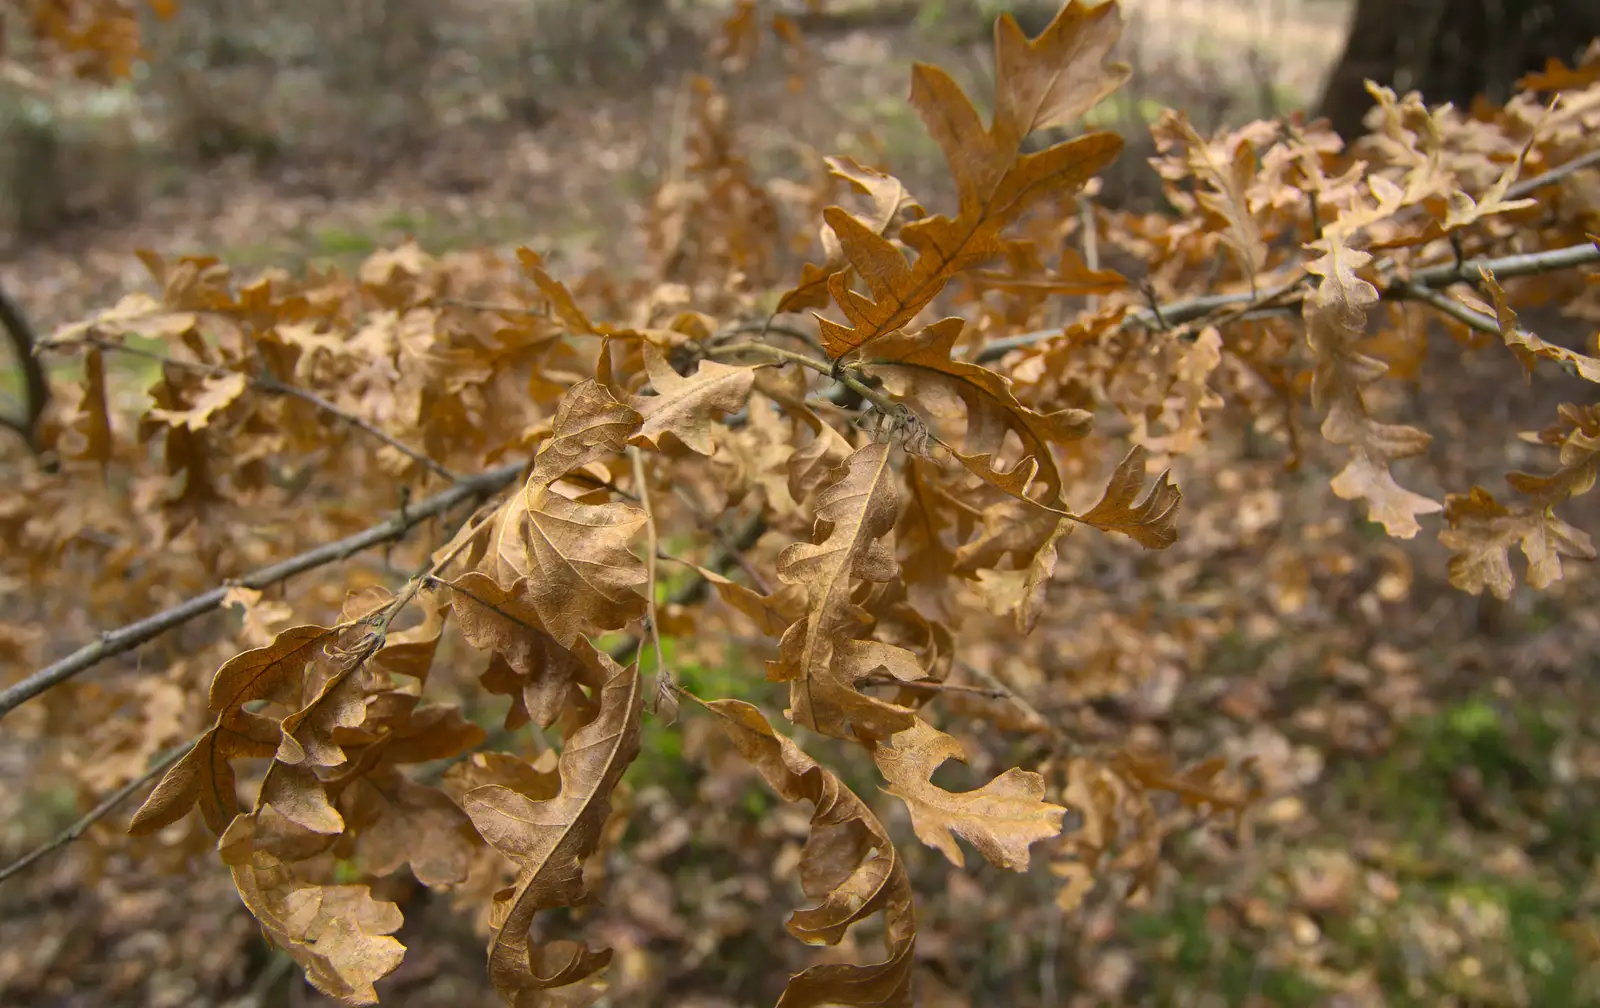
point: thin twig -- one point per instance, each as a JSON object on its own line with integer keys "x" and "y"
{"x": 715, "y": 530}
{"x": 271, "y": 386}
{"x": 768, "y": 326}
{"x": 1284, "y": 298}
{"x": 1554, "y": 175}
{"x": 131, "y": 636}
{"x": 1447, "y": 305}
{"x": 772, "y": 353}
{"x": 106, "y": 806}
{"x": 1028, "y": 710}
{"x": 664, "y": 678}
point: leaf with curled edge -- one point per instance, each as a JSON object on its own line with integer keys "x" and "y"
{"x": 389, "y": 819}
{"x": 527, "y": 664}
{"x": 817, "y": 654}
{"x": 577, "y": 572}
{"x": 919, "y": 364}
{"x": 561, "y": 300}
{"x": 1528, "y": 347}
{"x": 849, "y": 865}
{"x": 683, "y": 406}
{"x": 1001, "y": 819}
{"x": 891, "y": 202}
{"x": 339, "y": 934}
{"x": 1335, "y": 316}
{"x": 549, "y": 839}
{"x": 1150, "y": 522}
{"x": 1040, "y": 83}
{"x": 204, "y": 775}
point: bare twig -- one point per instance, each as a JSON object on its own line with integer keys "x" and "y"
{"x": 1554, "y": 175}
{"x": 1447, "y": 305}
{"x": 105, "y": 807}
{"x": 131, "y": 636}
{"x": 272, "y": 386}
{"x": 36, "y": 386}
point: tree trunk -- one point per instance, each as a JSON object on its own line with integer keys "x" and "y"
{"x": 1452, "y": 50}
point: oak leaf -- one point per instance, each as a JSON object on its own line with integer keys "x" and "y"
{"x": 1001, "y": 819}
{"x": 1335, "y": 316}
{"x": 683, "y": 406}
{"x": 339, "y": 934}
{"x": 817, "y": 653}
{"x": 549, "y": 839}
{"x": 1528, "y": 347}
{"x": 1040, "y": 84}
{"x": 849, "y": 865}
{"x": 1150, "y": 522}
{"x": 919, "y": 367}
{"x": 571, "y": 560}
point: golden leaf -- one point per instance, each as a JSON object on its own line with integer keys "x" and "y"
{"x": 1528, "y": 347}
{"x": 1335, "y": 316}
{"x": 339, "y": 934}
{"x": 572, "y": 561}
{"x": 919, "y": 364}
{"x": 1001, "y": 819}
{"x": 683, "y": 406}
{"x": 1039, "y": 82}
{"x": 1150, "y": 522}
{"x": 218, "y": 392}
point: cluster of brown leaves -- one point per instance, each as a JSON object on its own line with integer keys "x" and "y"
{"x": 657, "y": 427}
{"x": 96, "y": 39}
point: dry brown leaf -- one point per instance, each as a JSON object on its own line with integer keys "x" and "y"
{"x": 549, "y": 839}
{"x": 683, "y": 406}
{"x": 1001, "y": 819}
{"x": 1057, "y": 75}
{"x": 1528, "y": 347}
{"x": 818, "y": 654}
{"x": 1150, "y": 522}
{"x": 1335, "y": 316}
{"x": 849, "y": 865}
{"x": 339, "y": 934}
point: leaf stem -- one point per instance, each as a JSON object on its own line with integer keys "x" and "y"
{"x": 663, "y": 678}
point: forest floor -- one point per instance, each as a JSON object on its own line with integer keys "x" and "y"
{"x": 1432, "y": 833}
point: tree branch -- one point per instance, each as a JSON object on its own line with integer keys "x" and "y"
{"x": 1193, "y": 309}
{"x": 131, "y": 636}
{"x": 36, "y": 386}
{"x": 106, "y": 806}
{"x": 1554, "y": 175}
